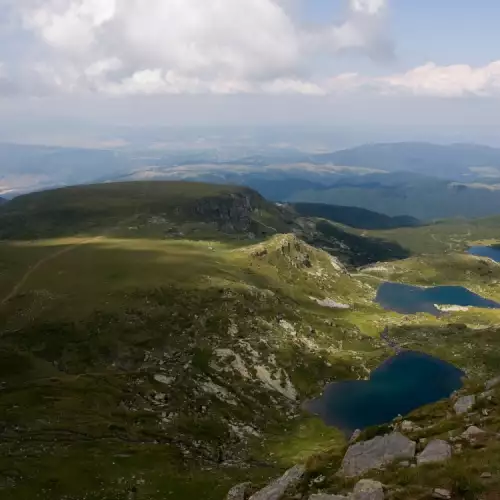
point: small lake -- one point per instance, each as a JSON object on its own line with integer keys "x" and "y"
{"x": 398, "y": 386}
{"x": 409, "y": 299}
{"x": 491, "y": 252}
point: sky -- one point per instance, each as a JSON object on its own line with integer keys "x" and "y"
{"x": 420, "y": 65}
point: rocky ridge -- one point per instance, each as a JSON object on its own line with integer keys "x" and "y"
{"x": 371, "y": 467}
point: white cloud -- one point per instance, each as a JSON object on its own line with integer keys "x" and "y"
{"x": 457, "y": 80}
{"x": 134, "y": 47}
{"x": 189, "y": 46}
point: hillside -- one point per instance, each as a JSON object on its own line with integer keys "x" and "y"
{"x": 121, "y": 206}
{"x": 176, "y": 210}
{"x": 156, "y": 345}
{"x": 353, "y": 216}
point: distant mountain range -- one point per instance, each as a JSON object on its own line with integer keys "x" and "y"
{"x": 454, "y": 161}
{"x": 420, "y": 180}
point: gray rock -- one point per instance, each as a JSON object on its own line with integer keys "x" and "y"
{"x": 486, "y": 475}
{"x": 441, "y": 494}
{"x": 376, "y": 453}
{"x": 355, "y": 435}
{"x": 472, "y": 432}
{"x": 277, "y": 488}
{"x": 464, "y": 404}
{"x": 487, "y": 395}
{"x": 366, "y": 489}
{"x": 492, "y": 383}
{"x": 436, "y": 451}
{"x": 328, "y": 496}
{"x": 409, "y": 426}
{"x": 239, "y": 492}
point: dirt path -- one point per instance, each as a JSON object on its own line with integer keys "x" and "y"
{"x": 39, "y": 264}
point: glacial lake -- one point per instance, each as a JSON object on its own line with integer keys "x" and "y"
{"x": 409, "y": 299}
{"x": 398, "y": 386}
{"x": 491, "y": 252}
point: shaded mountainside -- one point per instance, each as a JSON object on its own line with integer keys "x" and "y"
{"x": 353, "y": 216}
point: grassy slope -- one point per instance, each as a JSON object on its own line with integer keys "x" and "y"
{"x": 86, "y": 333}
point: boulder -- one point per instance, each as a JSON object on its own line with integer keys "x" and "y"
{"x": 486, "y": 475}
{"x": 472, "y": 432}
{"x": 408, "y": 426}
{"x": 492, "y": 383}
{"x": 277, "y": 489}
{"x": 366, "y": 489}
{"x": 354, "y": 436}
{"x": 441, "y": 494}
{"x": 239, "y": 492}
{"x": 464, "y": 404}
{"x": 376, "y": 453}
{"x": 436, "y": 451}
{"x": 487, "y": 395}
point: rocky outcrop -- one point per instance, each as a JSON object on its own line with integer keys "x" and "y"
{"x": 275, "y": 491}
{"x": 366, "y": 489}
{"x": 441, "y": 494}
{"x": 464, "y": 404}
{"x": 239, "y": 492}
{"x": 376, "y": 453}
{"x": 436, "y": 451}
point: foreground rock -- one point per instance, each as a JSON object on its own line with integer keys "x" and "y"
{"x": 376, "y": 453}
{"x": 367, "y": 489}
{"x": 239, "y": 492}
{"x": 275, "y": 491}
{"x": 472, "y": 433}
{"x": 436, "y": 451}
{"x": 464, "y": 404}
{"x": 441, "y": 494}
{"x": 492, "y": 383}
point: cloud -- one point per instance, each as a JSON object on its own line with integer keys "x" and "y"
{"x": 154, "y": 47}
{"x": 457, "y": 80}
{"x": 189, "y": 46}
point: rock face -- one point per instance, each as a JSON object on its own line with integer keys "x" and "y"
{"x": 367, "y": 489}
{"x": 464, "y": 404}
{"x": 277, "y": 488}
{"x": 436, "y": 451}
{"x": 375, "y": 453}
{"x": 239, "y": 492}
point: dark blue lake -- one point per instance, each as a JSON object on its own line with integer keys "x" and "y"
{"x": 491, "y": 252}
{"x": 398, "y": 386}
{"x": 409, "y": 299}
